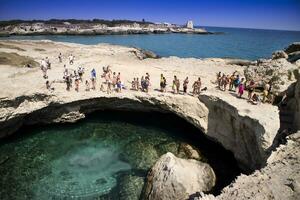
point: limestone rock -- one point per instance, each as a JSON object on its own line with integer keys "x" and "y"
{"x": 240, "y": 62}
{"x": 70, "y": 117}
{"x": 143, "y": 54}
{"x": 293, "y": 47}
{"x": 279, "y": 54}
{"x": 271, "y": 70}
{"x": 280, "y": 179}
{"x": 296, "y": 123}
{"x": 189, "y": 151}
{"x": 293, "y": 57}
{"x": 297, "y": 63}
{"x": 176, "y": 178}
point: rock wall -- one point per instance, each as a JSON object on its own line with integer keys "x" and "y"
{"x": 296, "y": 123}
{"x": 280, "y": 179}
{"x": 248, "y": 138}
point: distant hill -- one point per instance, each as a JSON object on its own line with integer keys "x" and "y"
{"x": 74, "y": 21}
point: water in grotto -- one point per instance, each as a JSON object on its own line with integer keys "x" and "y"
{"x": 105, "y": 156}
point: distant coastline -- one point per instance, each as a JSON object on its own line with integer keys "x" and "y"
{"x": 93, "y": 27}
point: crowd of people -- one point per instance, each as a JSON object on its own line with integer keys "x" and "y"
{"x": 112, "y": 82}
{"x": 235, "y": 83}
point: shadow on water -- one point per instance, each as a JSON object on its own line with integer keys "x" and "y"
{"x": 221, "y": 160}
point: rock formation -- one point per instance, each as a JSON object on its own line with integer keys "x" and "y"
{"x": 293, "y": 52}
{"x": 143, "y": 54}
{"x": 94, "y": 28}
{"x": 276, "y": 71}
{"x": 280, "y": 179}
{"x": 279, "y": 54}
{"x": 176, "y": 178}
{"x": 292, "y": 48}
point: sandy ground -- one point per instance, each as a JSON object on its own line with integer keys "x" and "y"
{"x": 20, "y": 80}
{"x": 17, "y": 81}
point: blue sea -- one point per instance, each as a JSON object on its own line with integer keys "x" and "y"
{"x": 241, "y": 43}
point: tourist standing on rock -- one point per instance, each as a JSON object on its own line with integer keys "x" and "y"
{"x": 71, "y": 59}
{"x": 164, "y": 84}
{"x": 133, "y": 84}
{"x": 185, "y": 85}
{"x": 241, "y": 88}
{"x": 87, "y": 86}
{"x": 119, "y": 85}
{"x": 137, "y": 84}
{"x": 161, "y": 82}
{"x": 266, "y": 92}
{"x": 114, "y": 80}
{"x": 197, "y": 86}
{"x": 77, "y": 84}
{"x": 223, "y": 83}
{"x": 226, "y": 82}
{"x": 176, "y": 85}
{"x": 219, "y": 79}
{"x": 142, "y": 83}
{"x": 48, "y": 64}
{"x": 93, "y": 79}
{"x": 44, "y": 68}
{"x": 251, "y": 88}
{"x": 231, "y": 80}
{"x": 60, "y": 58}
{"x": 80, "y": 72}
{"x": 68, "y": 82}
{"x": 93, "y": 73}
{"x": 146, "y": 84}
{"x": 236, "y": 82}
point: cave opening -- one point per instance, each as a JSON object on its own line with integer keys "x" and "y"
{"x": 108, "y": 154}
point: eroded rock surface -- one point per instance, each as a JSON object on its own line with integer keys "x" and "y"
{"x": 280, "y": 179}
{"x": 176, "y": 178}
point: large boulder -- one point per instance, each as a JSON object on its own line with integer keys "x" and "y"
{"x": 279, "y": 54}
{"x": 240, "y": 62}
{"x": 276, "y": 71}
{"x": 293, "y": 57}
{"x": 293, "y": 48}
{"x": 143, "y": 54}
{"x": 177, "y": 178}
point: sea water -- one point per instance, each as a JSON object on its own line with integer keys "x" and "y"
{"x": 240, "y": 43}
{"x": 106, "y": 156}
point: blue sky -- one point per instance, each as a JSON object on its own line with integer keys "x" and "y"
{"x": 268, "y": 14}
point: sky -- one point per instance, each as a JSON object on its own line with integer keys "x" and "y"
{"x": 263, "y": 14}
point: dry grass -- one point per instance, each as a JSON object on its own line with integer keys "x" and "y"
{"x": 17, "y": 60}
{"x": 9, "y": 46}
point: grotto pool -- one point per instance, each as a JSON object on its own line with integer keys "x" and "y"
{"x": 105, "y": 156}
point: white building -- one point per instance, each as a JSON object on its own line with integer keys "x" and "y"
{"x": 190, "y": 24}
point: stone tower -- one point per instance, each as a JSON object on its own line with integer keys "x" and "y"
{"x": 190, "y": 24}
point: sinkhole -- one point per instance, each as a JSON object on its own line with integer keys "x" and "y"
{"x": 107, "y": 155}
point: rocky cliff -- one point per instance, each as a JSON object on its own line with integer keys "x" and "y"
{"x": 248, "y": 137}
{"x": 280, "y": 179}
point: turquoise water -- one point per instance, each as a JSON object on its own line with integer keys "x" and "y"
{"x": 106, "y": 156}
{"x": 234, "y": 43}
